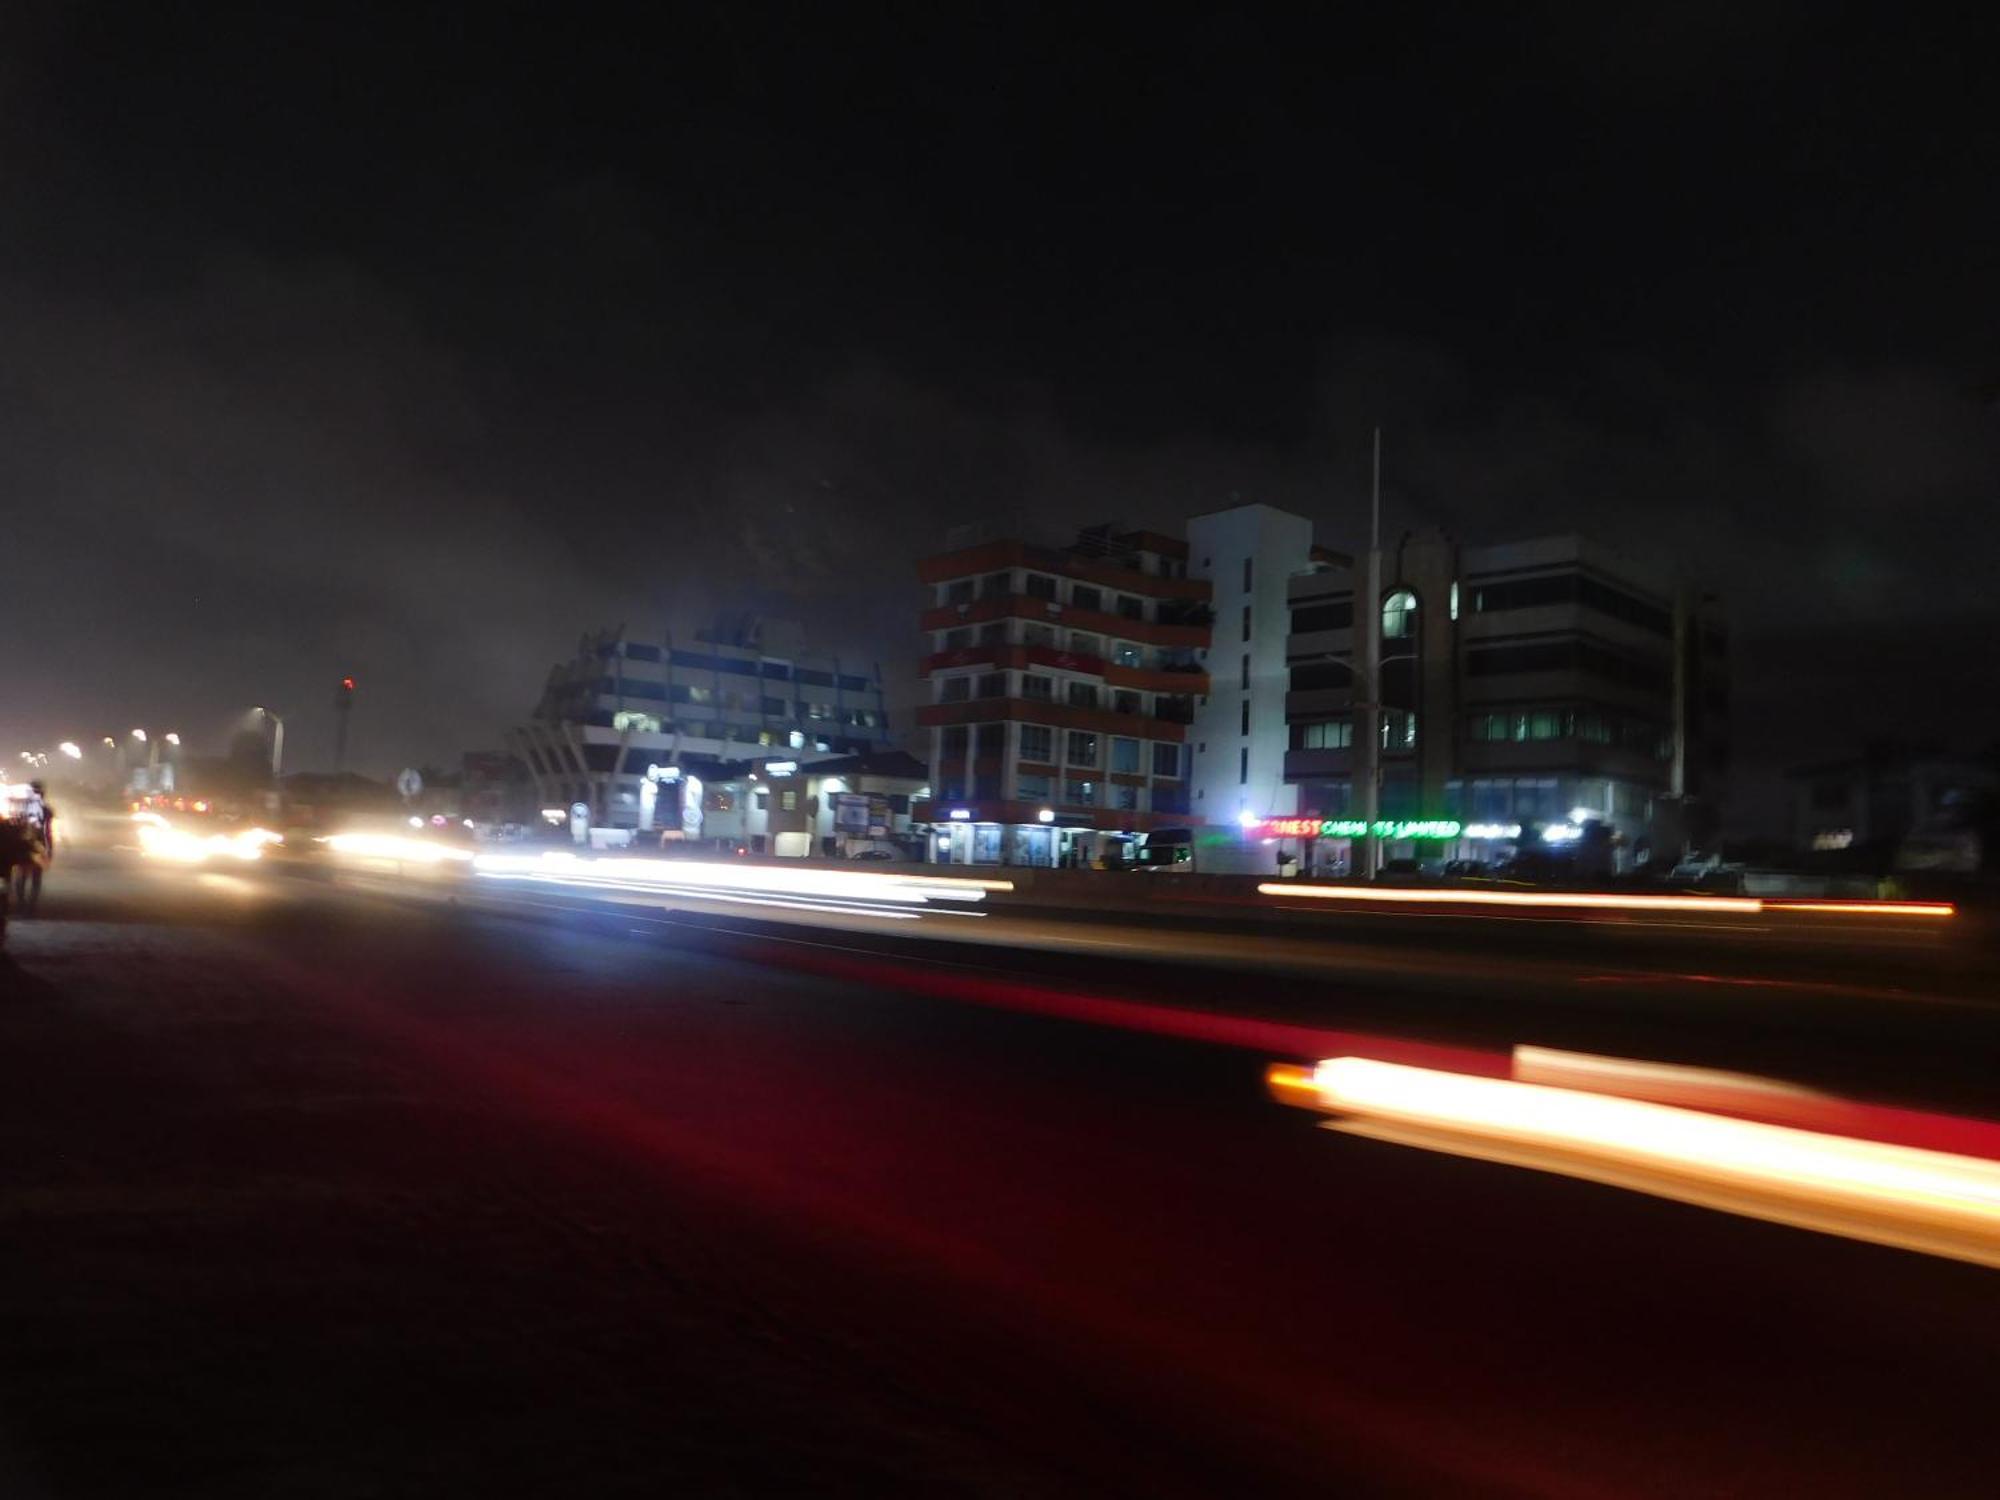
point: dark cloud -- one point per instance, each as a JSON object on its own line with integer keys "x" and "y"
{"x": 415, "y": 362}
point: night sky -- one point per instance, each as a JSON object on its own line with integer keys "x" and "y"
{"x": 412, "y": 343}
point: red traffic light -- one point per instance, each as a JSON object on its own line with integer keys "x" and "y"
{"x": 347, "y": 684}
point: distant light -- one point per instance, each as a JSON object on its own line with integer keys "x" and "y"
{"x": 1582, "y": 815}
{"x": 71, "y": 749}
{"x": 109, "y": 741}
{"x": 1046, "y": 815}
{"x": 1247, "y": 819}
{"x": 416, "y": 822}
{"x": 172, "y": 738}
{"x": 347, "y": 684}
{"x": 1492, "y": 830}
{"x": 780, "y": 767}
{"x": 959, "y": 814}
{"x": 1561, "y": 833}
{"x": 139, "y": 735}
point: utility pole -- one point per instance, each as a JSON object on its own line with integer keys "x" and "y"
{"x": 1368, "y": 619}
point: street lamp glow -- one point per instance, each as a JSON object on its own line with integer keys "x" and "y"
{"x": 110, "y": 743}
{"x": 70, "y": 748}
{"x": 139, "y": 735}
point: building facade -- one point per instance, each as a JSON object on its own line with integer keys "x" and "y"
{"x": 1898, "y": 806}
{"x": 1529, "y": 690}
{"x": 622, "y": 705}
{"x": 842, "y": 807}
{"x": 1059, "y": 688}
{"x": 1248, "y": 555}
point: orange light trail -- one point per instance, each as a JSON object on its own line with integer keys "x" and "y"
{"x": 1607, "y": 901}
{"x": 1869, "y": 908}
{"x": 1578, "y": 900}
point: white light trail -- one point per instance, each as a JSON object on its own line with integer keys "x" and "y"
{"x": 868, "y": 893}
{"x": 1933, "y": 1201}
{"x": 396, "y": 848}
{"x": 158, "y": 839}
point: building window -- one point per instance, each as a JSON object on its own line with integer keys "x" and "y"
{"x": 788, "y": 799}
{"x": 993, "y": 633}
{"x": 954, "y": 689}
{"x": 1080, "y": 793}
{"x": 1166, "y": 759}
{"x": 1125, "y": 798}
{"x": 1333, "y": 734}
{"x": 1130, "y": 608}
{"x": 1038, "y": 743}
{"x": 1082, "y": 748}
{"x": 993, "y": 685}
{"x": 990, "y": 740}
{"x": 1082, "y": 596}
{"x": 1033, "y": 633}
{"x": 1081, "y": 694}
{"x": 1246, "y": 671}
{"x": 1399, "y": 615}
{"x": 1246, "y": 716}
{"x": 1038, "y": 586}
{"x": 1126, "y": 654}
{"x": 1243, "y": 766}
{"x": 1399, "y": 729}
{"x": 957, "y": 640}
{"x": 1082, "y": 643}
{"x": 953, "y": 740}
{"x": 1309, "y": 676}
{"x": 1125, "y": 701}
{"x": 1032, "y": 788}
{"x": 1454, "y": 598}
{"x": 996, "y": 586}
{"x": 1125, "y": 755}
{"x": 958, "y": 591}
{"x": 1322, "y": 617}
{"x": 1246, "y": 575}
{"x": 1038, "y": 689}
{"x": 1246, "y": 622}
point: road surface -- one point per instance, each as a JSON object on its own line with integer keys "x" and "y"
{"x": 317, "y": 1189}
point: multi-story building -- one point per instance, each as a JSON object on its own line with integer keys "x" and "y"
{"x": 622, "y": 705}
{"x": 1060, "y": 687}
{"x": 1248, "y": 554}
{"x": 1132, "y": 682}
{"x": 1527, "y": 690}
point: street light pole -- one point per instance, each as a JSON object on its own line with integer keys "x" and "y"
{"x": 277, "y": 743}
{"x": 1370, "y": 620}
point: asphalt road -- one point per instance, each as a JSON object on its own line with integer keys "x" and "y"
{"x": 320, "y": 1190}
